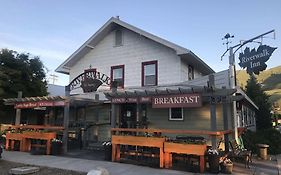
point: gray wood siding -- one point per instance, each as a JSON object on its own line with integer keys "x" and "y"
{"x": 194, "y": 119}
{"x": 104, "y": 133}
{"x": 221, "y": 79}
{"x": 104, "y": 114}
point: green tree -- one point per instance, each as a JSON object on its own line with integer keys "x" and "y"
{"x": 19, "y": 72}
{"x": 261, "y": 99}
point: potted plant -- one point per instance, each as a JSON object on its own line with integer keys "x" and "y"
{"x": 56, "y": 146}
{"x": 213, "y": 159}
{"x": 226, "y": 166}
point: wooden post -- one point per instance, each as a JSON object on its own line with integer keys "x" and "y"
{"x": 66, "y": 119}
{"x": 113, "y": 106}
{"x": 225, "y": 122}
{"x": 213, "y": 111}
{"x": 213, "y": 124}
{"x": 18, "y": 111}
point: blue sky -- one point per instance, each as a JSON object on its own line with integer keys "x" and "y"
{"x": 54, "y": 29}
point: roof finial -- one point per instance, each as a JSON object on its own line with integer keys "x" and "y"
{"x": 117, "y": 17}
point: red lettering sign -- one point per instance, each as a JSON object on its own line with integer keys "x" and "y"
{"x": 177, "y": 101}
{"x": 22, "y": 105}
{"x": 124, "y": 100}
{"x": 118, "y": 100}
{"x": 145, "y": 99}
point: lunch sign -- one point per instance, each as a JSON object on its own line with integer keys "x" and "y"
{"x": 165, "y": 101}
{"x": 254, "y": 60}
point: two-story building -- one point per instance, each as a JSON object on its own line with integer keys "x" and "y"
{"x": 159, "y": 85}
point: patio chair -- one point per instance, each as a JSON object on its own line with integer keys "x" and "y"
{"x": 239, "y": 152}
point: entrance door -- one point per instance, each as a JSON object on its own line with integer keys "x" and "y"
{"x": 128, "y": 115}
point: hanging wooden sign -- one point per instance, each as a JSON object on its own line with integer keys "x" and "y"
{"x": 254, "y": 60}
{"x": 89, "y": 81}
{"x": 177, "y": 101}
{"x": 35, "y": 104}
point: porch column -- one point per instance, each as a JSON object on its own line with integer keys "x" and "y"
{"x": 213, "y": 111}
{"x": 138, "y": 115}
{"x": 213, "y": 124}
{"x": 225, "y": 122}
{"x": 18, "y": 111}
{"x": 113, "y": 106}
{"x": 66, "y": 119}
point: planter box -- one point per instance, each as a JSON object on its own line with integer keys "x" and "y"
{"x": 38, "y": 135}
{"x": 14, "y": 136}
{"x": 138, "y": 140}
{"x": 184, "y": 148}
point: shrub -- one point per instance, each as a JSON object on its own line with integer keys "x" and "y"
{"x": 270, "y": 137}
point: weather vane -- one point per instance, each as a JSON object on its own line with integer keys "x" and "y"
{"x": 227, "y": 37}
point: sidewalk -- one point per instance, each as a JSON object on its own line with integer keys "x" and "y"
{"x": 258, "y": 167}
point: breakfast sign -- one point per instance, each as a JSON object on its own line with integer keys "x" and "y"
{"x": 254, "y": 60}
{"x": 165, "y": 101}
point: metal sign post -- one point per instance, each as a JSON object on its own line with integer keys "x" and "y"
{"x": 232, "y": 71}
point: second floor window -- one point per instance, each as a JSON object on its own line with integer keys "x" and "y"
{"x": 190, "y": 72}
{"x": 117, "y": 74}
{"x": 149, "y": 73}
{"x": 118, "y": 38}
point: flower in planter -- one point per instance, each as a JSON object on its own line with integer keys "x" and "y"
{"x": 55, "y": 140}
{"x": 213, "y": 151}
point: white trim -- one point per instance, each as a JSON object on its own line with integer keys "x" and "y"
{"x": 179, "y": 119}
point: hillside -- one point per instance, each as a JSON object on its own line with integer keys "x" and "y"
{"x": 270, "y": 80}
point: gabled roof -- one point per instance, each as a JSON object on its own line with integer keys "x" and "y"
{"x": 109, "y": 26}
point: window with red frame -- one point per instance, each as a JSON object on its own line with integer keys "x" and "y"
{"x": 149, "y": 73}
{"x": 117, "y": 74}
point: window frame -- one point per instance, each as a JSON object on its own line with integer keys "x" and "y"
{"x": 176, "y": 119}
{"x": 123, "y": 73}
{"x": 143, "y": 64}
{"x": 190, "y": 67}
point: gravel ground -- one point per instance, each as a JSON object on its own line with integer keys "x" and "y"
{"x": 5, "y": 166}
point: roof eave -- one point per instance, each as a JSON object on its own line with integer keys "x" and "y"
{"x": 87, "y": 45}
{"x": 239, "y": 90}
{"x": 205, "y": 68}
